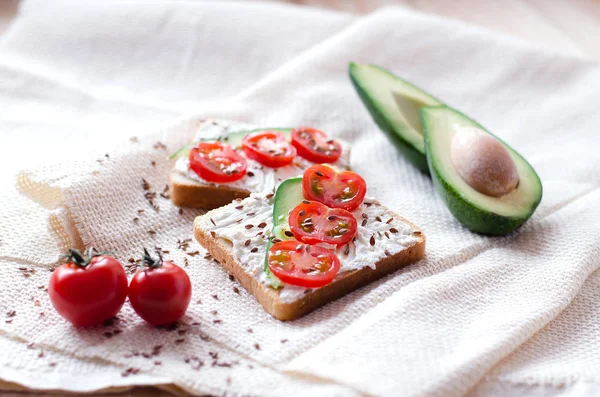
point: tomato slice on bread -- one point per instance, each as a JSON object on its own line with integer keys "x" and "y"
{"x": 217, "y": 162}
{"x": 312, "y": 222}
{"x": 345, "y": 189}
{"x": 309, "y": 266}
{"x": 314, "y": 145}
{"x": 270, "y": 148}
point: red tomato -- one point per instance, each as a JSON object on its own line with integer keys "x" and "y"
{"x": 312, "y": 222}
{"x": 88, "y": 290}
{"x": 160, "y": 292}
{"x": 345, "y": 189}
{"x": 269, "y": 148}
{"x": 217, "y": 162}
{"x": 314, "y": 145}
{"x": 303, "y": 265}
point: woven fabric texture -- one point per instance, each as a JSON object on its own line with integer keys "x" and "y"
{"x": 479, "y": 315}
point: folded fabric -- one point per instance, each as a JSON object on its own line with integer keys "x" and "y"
{"x": 434, "y": 328}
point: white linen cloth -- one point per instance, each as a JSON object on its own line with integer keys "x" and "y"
{"x": 480, "y": 315}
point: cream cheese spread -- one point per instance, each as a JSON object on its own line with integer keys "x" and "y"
{"x": 258, "y": 178}
{"x": 246, "y": 225}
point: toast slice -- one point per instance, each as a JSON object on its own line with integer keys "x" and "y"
{"x": 236, "y": 236}
{"x": 188, "y": 190}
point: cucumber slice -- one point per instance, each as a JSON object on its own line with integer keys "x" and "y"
{"x": 288, "y": 195}
{"x": 183, "y": 151}
{"x": 394, "y": 105}
{"x": 234, "y": 139}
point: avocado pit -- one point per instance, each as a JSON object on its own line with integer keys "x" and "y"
{"x": 483, "y": 162}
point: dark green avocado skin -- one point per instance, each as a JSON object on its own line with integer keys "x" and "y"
{"x": 473, "y": 218}
{"x": 413, "y": 155}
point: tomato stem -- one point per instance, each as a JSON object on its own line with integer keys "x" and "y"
{"x": 149, "y": 262}
{"x": 79, "y": 259}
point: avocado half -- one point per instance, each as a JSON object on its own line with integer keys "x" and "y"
{"x": 478, "y": 212}
{"x": 394, "y": 104}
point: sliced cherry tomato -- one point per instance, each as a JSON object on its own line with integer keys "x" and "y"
{"x": 88, "y": 290}
{"x": 160, "y": 292}
{"x": 314, "y": 145}
{"x": 309, "y": 266}
{"x": 312, "y": 222}
{"x": 217, "y": 162}
{"x": 269, "y": 148}
{"x": 345, "y": 189}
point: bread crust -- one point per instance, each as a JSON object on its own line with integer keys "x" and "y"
{"x": 193, "y": 194}
{"x": 342, "y": 285}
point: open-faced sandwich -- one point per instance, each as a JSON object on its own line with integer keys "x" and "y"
{"x": 316, "y": 239}
{"x": 230, "y": 160}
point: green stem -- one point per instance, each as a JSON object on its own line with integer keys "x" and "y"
{"x": 82, "y": 260}
{"x": 148, "y": 262}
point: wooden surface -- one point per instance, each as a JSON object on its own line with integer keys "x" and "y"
{"x": 8, "y": 10}
{"x": 566, "y": 26}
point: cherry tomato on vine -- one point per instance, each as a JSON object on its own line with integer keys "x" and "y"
{"x": 88, "y": 289}
{"x": 160, "y": 291}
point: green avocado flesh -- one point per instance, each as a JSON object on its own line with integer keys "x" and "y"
{"x": 478, "y": 212}
{"x": 234, "y": 139}
{"x": 394, "y": 104}
{"x": 288, "y": 195}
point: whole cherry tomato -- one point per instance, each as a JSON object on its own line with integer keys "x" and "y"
{"x": 335, "y": 189}
{"x": 314, "y": 145}
{"x": 160, "y": 291}
{"x": 88, "y": 290}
